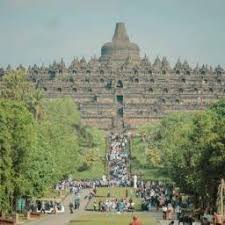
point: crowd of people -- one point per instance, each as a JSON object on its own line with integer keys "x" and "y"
{"x": 46, "y": 206}
{"x": 114, "y": 205}
{"x": 158, "y": 195}
{"x": 75, "y": 185}
{"x": 118, "y": 160}
{"x": 174, "y": 205}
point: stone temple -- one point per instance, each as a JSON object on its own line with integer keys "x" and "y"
{"x": 121, "y": 90}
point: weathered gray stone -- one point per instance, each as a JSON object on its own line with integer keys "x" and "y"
{"x": 120, "y": 48}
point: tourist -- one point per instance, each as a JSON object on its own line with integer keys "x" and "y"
{"x": 178, "y": 211}
{"x": 164, "y": 211}
{"x": 205, "y": 221}
{"x": 208, "y": 215}
{"x": 95, "y": 206}
{"x": 71, "y": 207}
{"x": 118, "y": 160}
{"x": 218, "y": 219}
{"x": 136, "y": 221}
{"x": 100, "y": 206}
{"x": 187, "y": 219}
{"x": 126, "y": 193}
{"x": 170, "y": 211}
{"x": 171, "y": 223}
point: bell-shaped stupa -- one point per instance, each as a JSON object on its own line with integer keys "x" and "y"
{"x": 120, "y": 48}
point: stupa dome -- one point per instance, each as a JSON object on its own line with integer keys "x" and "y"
{"x": 120, "y": 48}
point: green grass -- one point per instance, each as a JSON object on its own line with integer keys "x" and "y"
{"x": 93, "y": 153}
{"x": 115, "y": 192}
{"x": 95, "y": 172}
{"x": 95, "y": 218}
{"x": 155, "y": 173}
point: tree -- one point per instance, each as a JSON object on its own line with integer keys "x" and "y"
{"x": 16, "y": 86}
{"x": 17, "y": 135}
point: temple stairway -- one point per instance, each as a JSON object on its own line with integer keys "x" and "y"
{"x": 118, "y": 159}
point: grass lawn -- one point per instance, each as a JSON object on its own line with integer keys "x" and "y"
{"x": 95, "y": 172}
{"x": 115, "y": 192}
{"x": 155, "y": 174}
{"x": 96, "y": 218}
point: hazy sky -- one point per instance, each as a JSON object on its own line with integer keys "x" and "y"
{"x": 40, "y": 31}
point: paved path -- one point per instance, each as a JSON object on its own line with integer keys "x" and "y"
{"x": 64, "y": 218}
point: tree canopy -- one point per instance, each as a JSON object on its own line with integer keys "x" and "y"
{"x": 191, "y": 146}
{"x": 41, "y": 141}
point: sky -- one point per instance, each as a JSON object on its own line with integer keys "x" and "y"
{"x": 41, "y": 31}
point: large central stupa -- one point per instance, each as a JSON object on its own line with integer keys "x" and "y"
{"x": 120, "y": 48}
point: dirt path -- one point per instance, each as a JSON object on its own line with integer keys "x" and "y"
{"x": 64, "y": 218}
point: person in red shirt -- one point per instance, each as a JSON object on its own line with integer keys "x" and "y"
{"x": 136, "y": 221}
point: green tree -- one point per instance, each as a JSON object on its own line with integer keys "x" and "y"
{"x": 16, "y": 86}
{"x": 17, "y": 137}
{"x": 192, "y": 147}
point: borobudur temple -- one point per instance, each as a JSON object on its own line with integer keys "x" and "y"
{"x": 122, "y": 90}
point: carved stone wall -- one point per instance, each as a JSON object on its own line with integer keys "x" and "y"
{"x": 147, "y": 95}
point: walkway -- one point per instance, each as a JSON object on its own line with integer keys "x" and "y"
{"x": 64, "y": 218}
{"x": 118, "y": 159}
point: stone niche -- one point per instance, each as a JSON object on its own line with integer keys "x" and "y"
{"x": 105, "y": 99}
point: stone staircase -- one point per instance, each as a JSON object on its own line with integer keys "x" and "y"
{"x": 118, "y": 156}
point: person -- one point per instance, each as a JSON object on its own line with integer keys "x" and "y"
{"x": 121, "y": 206}
{"x": 43, "y": 207}
{"x": 71, "y": 207}
{"x": 171, "y": 223}
{"x": 126, "y": 193}
{"x": 100, "y": 204}
{"x": 76, "y": 203}
{"x": 164, "y": 210}
{"x": 170, "y": 211}
{"x": 205, "y": 221}
{"x": 207, "y": 216}
{"x": 178, "y": 211}
{"x": 188, "y": 220}
{"x": 136, "y": 221}
{"x": 132, "y": 204}
{"x": 95, "y": 190}
{"x": 218, "y": 219}
{"x": 95, "y": 206}
{"x": 55, "y": 209}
